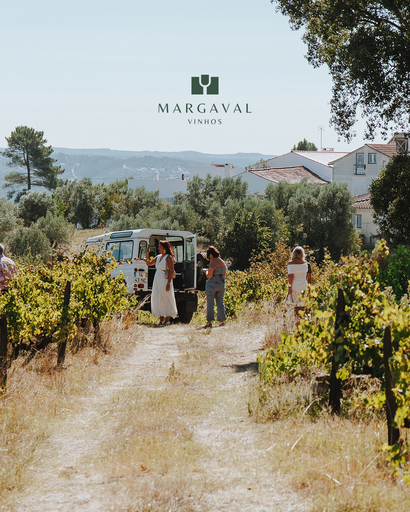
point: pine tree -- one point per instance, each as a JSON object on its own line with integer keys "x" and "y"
{"x": 27, "y": 150}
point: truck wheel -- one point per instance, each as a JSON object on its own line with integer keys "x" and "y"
{"x": 184, "y": 316}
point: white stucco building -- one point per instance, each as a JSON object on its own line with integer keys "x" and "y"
{"x": 363, "y": 220}
{"x": 357, "y": 168}
{"x": 361, "y": 166}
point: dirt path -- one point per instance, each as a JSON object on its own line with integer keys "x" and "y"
{"x": 233, "y": 469}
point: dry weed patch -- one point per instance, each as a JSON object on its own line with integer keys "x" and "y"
{"x": 334, "y": 463}
{"x": 81, "y": 235}
{"x": 176, "y": 436}
{"x": 37, "y": 396}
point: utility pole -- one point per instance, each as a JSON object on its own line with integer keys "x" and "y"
{"x": 321, "y": 128}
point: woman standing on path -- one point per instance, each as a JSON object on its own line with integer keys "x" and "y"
{"x": 163, "y": 298}
{"x": 298, "y": 277}
{"x": 215, "y": 287}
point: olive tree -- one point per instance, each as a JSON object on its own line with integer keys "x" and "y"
{"x": 58, "y": 230}
{"x": 34, "y": 205}
{"x": 319, "y": 216}
{"x": 76, "y": 200}
{"x": 247, "y": 235}
{"x": 9, "y": 217}
{"x": 28, "y": 244}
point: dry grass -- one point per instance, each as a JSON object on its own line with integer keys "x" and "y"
{"x": 38, "y": 396}
{"x": 334, "y": 463}
{"x": 281, "y": 320}
{"x": 152, "y": 451}
{"x": 81, "y": 235}
{"x": 178, "y": 436}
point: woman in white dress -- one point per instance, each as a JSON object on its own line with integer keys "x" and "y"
{"x": 163, "y": 298}
{"x": 298, "y": 277}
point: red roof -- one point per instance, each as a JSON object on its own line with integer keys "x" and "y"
{"x": 362, "y": 201}
{"x": 387, "y": 149}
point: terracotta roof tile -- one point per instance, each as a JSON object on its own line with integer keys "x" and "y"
{"x": 291, "y": 174}
{"x": 386, "y": 149}
{"x": 362, "y": 201}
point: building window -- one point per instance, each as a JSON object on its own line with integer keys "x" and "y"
{"x": 357, "y": 221}
{"x": 371, "y": 159}
{"x": 360, "y": 165}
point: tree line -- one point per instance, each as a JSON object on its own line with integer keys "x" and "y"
{"x": 220, "y": 210}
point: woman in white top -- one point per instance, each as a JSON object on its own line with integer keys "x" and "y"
{"x": 298, "y": 276}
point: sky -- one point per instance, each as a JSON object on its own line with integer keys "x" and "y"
{"x": 93, "y": 74}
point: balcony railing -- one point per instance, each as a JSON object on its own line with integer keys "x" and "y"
{"x": 359, "y": 169}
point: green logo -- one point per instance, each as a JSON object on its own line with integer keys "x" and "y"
{"x": 204, "y": 84}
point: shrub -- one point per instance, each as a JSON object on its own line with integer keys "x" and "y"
{"x": 57, "y": 229}
{"x": 395, "y": 271}
{"x": 123, "y": 223}
{"x": 29, "y": 244}
{"x": 265, "y": 280}
{"x": 9, "y": 219}
{"x": 34, "y": 205}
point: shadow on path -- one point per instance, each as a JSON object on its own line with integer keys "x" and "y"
{"x": 246, "y": 367}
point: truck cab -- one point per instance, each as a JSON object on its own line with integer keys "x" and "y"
{"x": 129, "y": 248}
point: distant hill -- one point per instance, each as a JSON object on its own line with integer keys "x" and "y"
{"x": 195, "y": 157}
{"x": 107, "y": 165}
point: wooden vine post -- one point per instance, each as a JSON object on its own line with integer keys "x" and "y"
{"x": 391, "y": 406}
{"x": 335, "y": 393}
{"x": 3, "y": 352}
{"x": 62, "y": 345}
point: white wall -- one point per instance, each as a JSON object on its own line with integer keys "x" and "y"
{"x": 166, "y": 187}
{"x": 256, "y": 184}
{"x": 344, "y": 170}
{"x": 369, "y": 229}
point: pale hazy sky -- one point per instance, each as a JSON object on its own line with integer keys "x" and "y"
{"x": 91, "y": 74}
